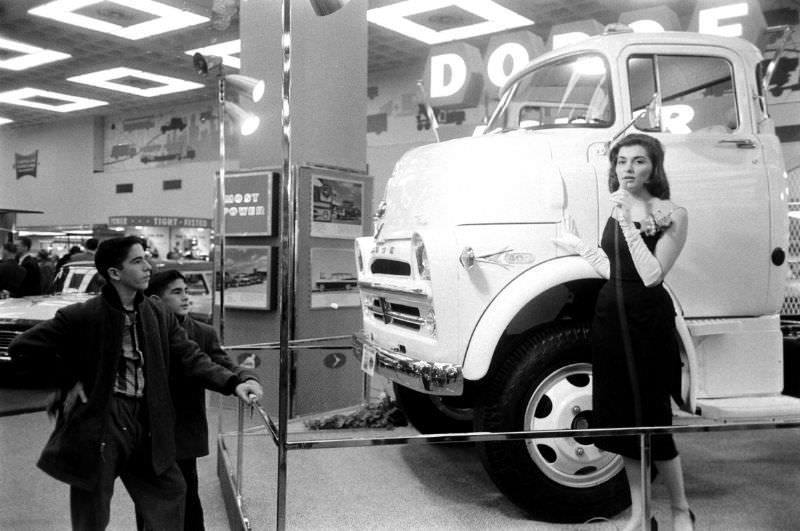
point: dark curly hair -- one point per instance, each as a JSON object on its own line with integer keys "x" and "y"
{"x": 112, "y": 253}
{"x": 657, "y": 185}
{"x": 161, "y": 280}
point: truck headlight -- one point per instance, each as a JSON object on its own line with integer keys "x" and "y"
{"x": 359, "y": 259}
{"x": 429, "y": 325}
{"x": 420, "y": 257}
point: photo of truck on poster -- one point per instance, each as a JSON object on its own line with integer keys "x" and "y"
{"x": 333, "y": 278}
{"x": 248, "y": 277}
{"x": 338, "y": 207}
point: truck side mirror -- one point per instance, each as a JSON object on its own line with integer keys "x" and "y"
{"x": 650, "y": 118}
{"x": 647, "y": 120}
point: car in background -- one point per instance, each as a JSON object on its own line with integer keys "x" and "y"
{"x": 78, "y": 282}
{"x": 337, "y": 281}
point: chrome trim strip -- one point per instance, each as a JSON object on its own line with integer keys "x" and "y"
{"x": 397, "y": 316}
{"x": 422, "y": 376}
{"x": 411, "y": 292}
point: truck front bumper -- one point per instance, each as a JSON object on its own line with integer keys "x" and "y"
{"x": 422, "y": 376}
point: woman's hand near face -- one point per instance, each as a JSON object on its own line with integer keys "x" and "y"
{"x": 623, "y": 202}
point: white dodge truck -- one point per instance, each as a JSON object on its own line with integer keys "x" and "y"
{"x": 482, "y": 322}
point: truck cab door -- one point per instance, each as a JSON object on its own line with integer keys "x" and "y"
{"x": 716, "y": 169}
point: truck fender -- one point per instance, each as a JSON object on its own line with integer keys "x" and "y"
{"x": 687, "y": 345}
{"x": 510, "y": 301}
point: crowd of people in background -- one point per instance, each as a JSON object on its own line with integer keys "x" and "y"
{"x": 24, "y": 271}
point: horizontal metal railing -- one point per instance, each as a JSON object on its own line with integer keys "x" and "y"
{"x": 645, "y": 433}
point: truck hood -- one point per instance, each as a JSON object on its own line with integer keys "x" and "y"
{"x": 37, "y": 308}
{"x": 497, "y": 178}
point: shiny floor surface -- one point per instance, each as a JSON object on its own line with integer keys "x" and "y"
{"x": 744, "y": 481}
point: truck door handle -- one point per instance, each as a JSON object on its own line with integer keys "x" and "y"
{"x": 741, "y": 143}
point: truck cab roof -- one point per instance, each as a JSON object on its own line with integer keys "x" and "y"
{"x": 612, "y": 44}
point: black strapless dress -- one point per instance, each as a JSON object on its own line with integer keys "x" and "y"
{"x": 656, "y": 362}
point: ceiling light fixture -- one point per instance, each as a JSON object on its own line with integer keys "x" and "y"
{"x": 227, "y": 51}
{"x": 5, "y": 120}
{"x": 167, "y": 18}
{"x": 47, "y": 100}
{"x": 30, "y": 55}
{"x": 495, "y": 17}
{"x": 164, "y": 84}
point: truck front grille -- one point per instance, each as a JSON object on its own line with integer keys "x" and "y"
{"x": 6, "y": 337}
{"x": 381, "y": 266}
{"x": 396, "y": 314}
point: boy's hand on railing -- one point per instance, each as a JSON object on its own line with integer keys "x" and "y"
{"x": 249, "y": 392}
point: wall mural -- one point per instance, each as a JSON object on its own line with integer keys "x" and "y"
{"x": 153, "y": 140}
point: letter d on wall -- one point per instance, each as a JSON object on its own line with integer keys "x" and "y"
{"x": 448, "y": 75}
{"x": 454, "y": 76}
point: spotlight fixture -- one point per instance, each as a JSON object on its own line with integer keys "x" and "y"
{"x": 246, "y": 121}
{"x": 203, "y": 63}
{"x": 228, "y": 51}
{"x": 251, "y": 87}
{"x": 326, "y": 7}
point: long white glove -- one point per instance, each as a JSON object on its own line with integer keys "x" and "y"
{"x": 594, "y": 255}
{"x": 646, "y": 264}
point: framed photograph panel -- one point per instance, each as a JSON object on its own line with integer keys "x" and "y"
{"x": 249, "y": 277}
{"x": 338, "y": 206}
{"x": 333, "y": 278}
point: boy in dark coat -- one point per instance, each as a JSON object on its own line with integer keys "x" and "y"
{"x": 189, "y": 397}
{"x": 113, "y": 356}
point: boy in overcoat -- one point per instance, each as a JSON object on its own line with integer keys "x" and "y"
{"x": 188, "y": 396}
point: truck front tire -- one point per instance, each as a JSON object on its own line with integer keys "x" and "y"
{"x": 545, "y": 383}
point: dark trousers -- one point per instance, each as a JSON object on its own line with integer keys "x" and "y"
{"x": 193, "y": 517}
{"x": 126, "y": 454}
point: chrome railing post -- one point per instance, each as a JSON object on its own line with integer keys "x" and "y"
{"x": 239, "y": 449}
{"x": 644, "y": 441}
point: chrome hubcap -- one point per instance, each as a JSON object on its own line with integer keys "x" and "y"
{"x": 564, "y": 401}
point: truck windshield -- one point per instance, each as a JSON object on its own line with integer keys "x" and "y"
{"x": 570, "y": 92}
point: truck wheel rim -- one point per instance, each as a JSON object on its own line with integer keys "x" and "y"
{"x": 563, "y": 400}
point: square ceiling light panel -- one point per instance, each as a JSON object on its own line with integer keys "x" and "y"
{"x": 46, "y": 100}
{"x": 16, "y": 55}
{"x": 227, "y": 51}
{"x": 438, "y": 21}
{"x": 132, "y": 81}
{"x": 140, "y": 18}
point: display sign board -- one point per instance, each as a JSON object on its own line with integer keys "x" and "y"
{"x": 249, "y": 203}
{"x": 159, "y": 221}
{"x": 453, "y": 71}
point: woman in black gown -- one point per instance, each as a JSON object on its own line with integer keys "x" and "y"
{"x": 635, "y": 358}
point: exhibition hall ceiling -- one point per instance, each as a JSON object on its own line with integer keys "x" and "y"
{"x": 140, "y": 71}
